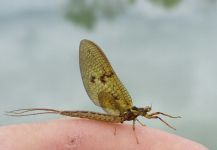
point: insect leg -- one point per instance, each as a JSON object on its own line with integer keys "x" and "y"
{"x": 140, "y": 122}
{"x": 134, "y": 130}
{"x": 134, "y": 122}
{"x": 157, "y": 117}
{"x": 160, "y": 113}
{"x": 115, "y": 130}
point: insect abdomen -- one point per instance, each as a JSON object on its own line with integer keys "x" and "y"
{"x": 93, "y": 116}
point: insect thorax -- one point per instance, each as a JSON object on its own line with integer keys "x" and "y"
{"x": 134, "y": 112}
{"x": 130, "y": 114}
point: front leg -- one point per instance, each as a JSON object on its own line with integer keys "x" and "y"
{"x": 160, "y": 113}
{"x": 150, "y": 116}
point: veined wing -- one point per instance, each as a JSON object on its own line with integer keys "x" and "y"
{"x": 100, "y": 81}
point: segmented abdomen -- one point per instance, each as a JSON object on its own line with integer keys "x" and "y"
{"x": 93, "y": 116}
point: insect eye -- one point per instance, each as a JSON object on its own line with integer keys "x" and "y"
{"x": 149, "y": 109}
{"x": 134, "y": 108}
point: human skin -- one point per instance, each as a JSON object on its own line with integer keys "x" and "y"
{"x": 83, "y": 134}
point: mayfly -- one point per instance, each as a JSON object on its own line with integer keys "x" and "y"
{"x": 105, "y": 90}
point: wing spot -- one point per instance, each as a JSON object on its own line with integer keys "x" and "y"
{"x": 92, "y": 79}
{"x": 103, "y": 77}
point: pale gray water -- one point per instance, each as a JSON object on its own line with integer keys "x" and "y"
{"x": 164, "y": 58}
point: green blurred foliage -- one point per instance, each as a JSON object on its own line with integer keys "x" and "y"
{"x": 166, "y": 3}
{"x": 81, "y": 13}
{"x": 85, "y": 13}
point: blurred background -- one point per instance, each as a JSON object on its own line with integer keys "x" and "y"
{"x": 164, "y": 51}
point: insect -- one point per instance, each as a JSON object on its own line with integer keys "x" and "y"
{"x": 105, "y": 90}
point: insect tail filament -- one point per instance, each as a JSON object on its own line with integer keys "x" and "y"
{"x": 31, "y": 111}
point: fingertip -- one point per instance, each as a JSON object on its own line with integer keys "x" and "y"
{"x": 88, "y": 134}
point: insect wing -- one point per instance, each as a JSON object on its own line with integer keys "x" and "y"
{"x": 100, "y": 81}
